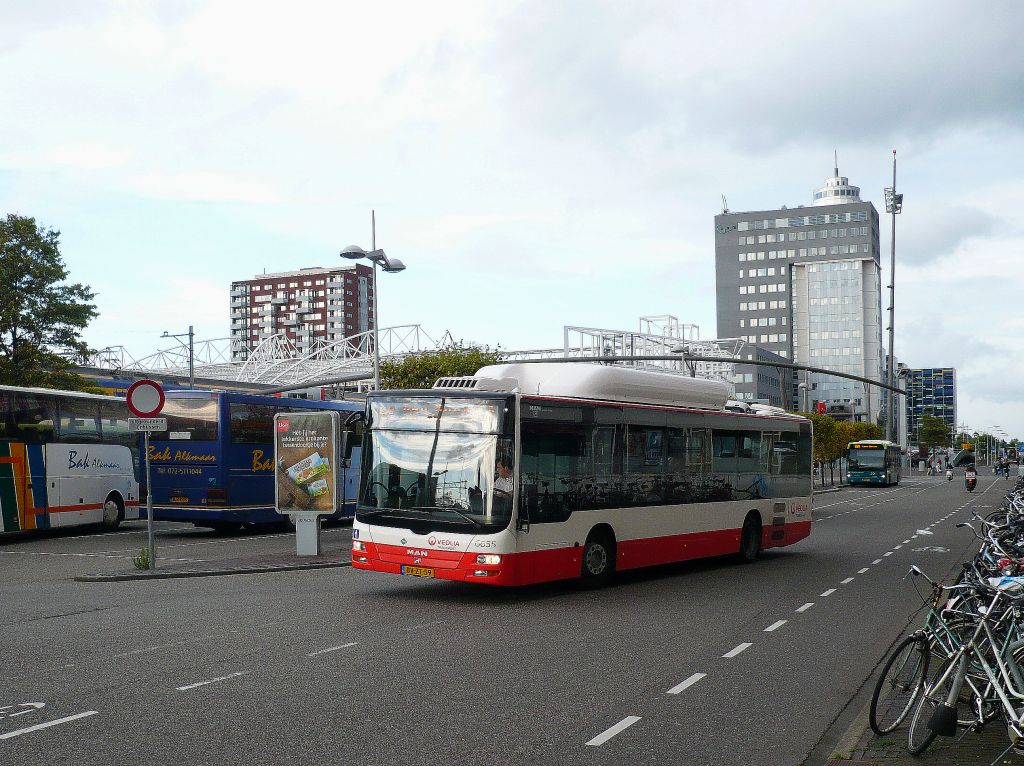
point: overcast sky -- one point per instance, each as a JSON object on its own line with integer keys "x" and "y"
{"x": 535, "y": 164}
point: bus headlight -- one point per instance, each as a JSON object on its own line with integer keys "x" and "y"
{"x": 488, "y": 558}
{"x": 358, "y": 545}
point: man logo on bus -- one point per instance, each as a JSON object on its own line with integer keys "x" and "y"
{"x": 283, "y": 426}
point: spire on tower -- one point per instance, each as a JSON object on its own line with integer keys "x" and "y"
{"x": 835, "y": 156}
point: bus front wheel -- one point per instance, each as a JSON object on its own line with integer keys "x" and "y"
{"x": 113, "y": 512}
{"x": 598, "y": 564}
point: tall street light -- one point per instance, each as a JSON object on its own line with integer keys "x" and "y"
{"x": 893, "y": 206}
{"x": 191, "y": 355}
{"x": 391, "y": 266}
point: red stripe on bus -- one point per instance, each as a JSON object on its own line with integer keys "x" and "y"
{"x": 70, "y": 508}
{"x": 529, "y": 567}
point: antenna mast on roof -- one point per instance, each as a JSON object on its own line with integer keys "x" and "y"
{"x": 835, "y": 157}
{"x": 725, "y": 205}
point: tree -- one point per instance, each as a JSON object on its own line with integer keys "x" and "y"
{"x": 422, "y": 370}
{"x": 40, "y": 313}
{"x": 933, "y": 432}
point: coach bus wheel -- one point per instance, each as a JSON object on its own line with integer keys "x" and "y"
{"x": 750, "y": 538}
{"x": 112, "y": 513}
{"x": 598, "y": 559}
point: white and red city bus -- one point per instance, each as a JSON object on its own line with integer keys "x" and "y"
{"x": 526, "y": 473}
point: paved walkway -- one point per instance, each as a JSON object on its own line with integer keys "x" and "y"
{"x": 863, "y": 748}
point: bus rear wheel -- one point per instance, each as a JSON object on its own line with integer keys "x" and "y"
{"x": 598, "y": 563}
{"x": 750, "y": 539}
{"x": 113, "y": 512}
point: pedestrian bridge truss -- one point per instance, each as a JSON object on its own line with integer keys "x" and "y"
{"x": 276, "y": 361}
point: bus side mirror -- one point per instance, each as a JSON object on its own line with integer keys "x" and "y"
{"x": 344, "y": 448}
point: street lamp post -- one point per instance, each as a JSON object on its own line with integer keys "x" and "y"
{"x": 391, "y": 266}
{"x": 191, "y": 354}
{"x": 893, "y": 205}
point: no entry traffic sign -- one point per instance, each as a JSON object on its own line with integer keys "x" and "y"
{"x": 145, "y": 398}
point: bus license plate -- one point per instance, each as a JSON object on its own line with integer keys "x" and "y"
{"x": 179, "y": 499}
{"x": 418, "y": 571}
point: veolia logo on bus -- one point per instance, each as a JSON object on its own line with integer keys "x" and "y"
{"x": 305, "y": 461}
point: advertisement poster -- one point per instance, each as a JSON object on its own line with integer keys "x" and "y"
{"x": 305, "y": 465}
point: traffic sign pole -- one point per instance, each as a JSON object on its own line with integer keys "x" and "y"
{"x": 145, "y": 399}
{"x": 149, "y": 506}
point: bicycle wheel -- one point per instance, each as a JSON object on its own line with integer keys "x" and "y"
{"x": 919, "y": 737}
{"x": 898, "y": 686}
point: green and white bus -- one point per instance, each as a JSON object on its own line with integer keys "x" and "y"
{"x": 874, "y": 461}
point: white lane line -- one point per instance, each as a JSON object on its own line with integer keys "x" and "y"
{"x": 847, "y": 581}
{"x": 876, "y": 561}
{"x": 862, "y": 571}
{"x": 829, "y": 592}
{"x": 805, "y": 607}
{"x": 733, "y": 652}
{"x": 618, "y": 728}
{"x": 48, "y": 724}
{"x": 897, "y": 547}
{"x": 332, "y": 649}
{"x": 887, "y": 553}
{"x": 681, "y": 687}
{"x": 904, "y": 542}
{"x": 775, "y": 626}
{"x": 211, "y": 681}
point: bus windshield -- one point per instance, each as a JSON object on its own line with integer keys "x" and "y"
{"x": 866, "y": 458}
{"x": 433, "y": 457}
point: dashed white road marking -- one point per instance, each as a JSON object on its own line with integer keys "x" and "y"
{"x": 211, "y": 681}
{"x": 847, "y": 581}
{"x": 897, "y": 547}
{"x": 904, "y": 543}
{"x": 680, "y": 687}
{"x": 829, "y": 592}
{"x": 887, "y": 553}
{"x": 862, "y": 571}
{"x": 733, "y": 652}
{"x": 618, "y": 728}
{"x": 332, "y": 649}
{"x": 805, "y": 607}
{"x": 876, "y": 561}
{"x": 48, "y": 724}
{"x": 775, "y": 626}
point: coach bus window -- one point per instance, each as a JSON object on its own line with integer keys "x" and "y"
{"x": 33, "y": 418}
{"x": 684, "y": 464}
{"x": 79, "y": 420}
{"x": 251, "y": 423}
{"x": 191, "y": 419}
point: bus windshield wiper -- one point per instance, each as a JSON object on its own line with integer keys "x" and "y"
{"x": 431, "y": 508}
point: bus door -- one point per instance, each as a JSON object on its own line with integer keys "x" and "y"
{"x": 24, "y": 492}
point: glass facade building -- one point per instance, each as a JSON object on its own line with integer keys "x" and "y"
{"x": 930, "y": 391}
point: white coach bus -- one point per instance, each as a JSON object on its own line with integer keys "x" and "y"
{"x": 66, "y": 458}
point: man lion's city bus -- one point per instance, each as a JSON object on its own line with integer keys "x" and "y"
{"x": 214, "y": 465}
{"x": 873, "y": 461}
{"x": 527, "y": 473}
{"x": 66, "y": 459}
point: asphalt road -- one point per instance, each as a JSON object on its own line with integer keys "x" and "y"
{"x": 702, "y": 663}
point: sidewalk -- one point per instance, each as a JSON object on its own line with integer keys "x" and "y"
{"x": 280, "y": 558}
{"x": 861, "y": 747}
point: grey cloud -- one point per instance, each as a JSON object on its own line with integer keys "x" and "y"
{"x": 762, "y": 75}
{"x": 933, "y": 231}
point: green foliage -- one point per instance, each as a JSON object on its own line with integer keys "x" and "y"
{"x": 142, "y": 560}
{"x": 422, "y": 370}
{"x": 40, "y": 313}
{"x": 933, "y": 432}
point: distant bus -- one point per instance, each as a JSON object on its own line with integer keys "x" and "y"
{"x": 873, "y": 461}
{"x": 66, "y": 459}
{"x": 529, "y": 473}
{"x": 214, "y": 465}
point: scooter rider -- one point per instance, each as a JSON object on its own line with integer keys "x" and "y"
{"x": 970, "y": 478}
{"x": 949, "y": 474}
